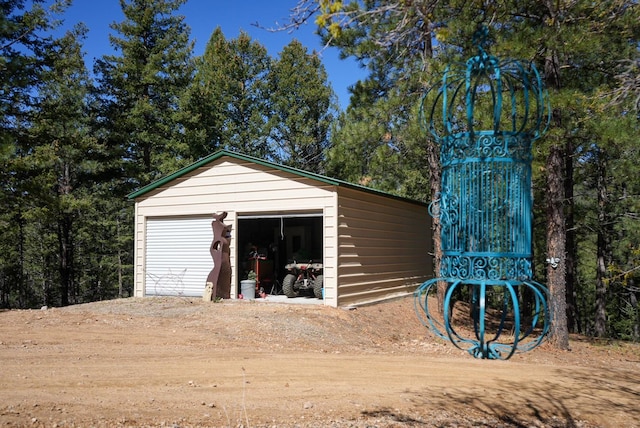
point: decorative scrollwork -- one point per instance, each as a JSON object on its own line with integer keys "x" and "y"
{"x": 483, "y": 145}
{"x": 485, "y": 202}
{"x": 485, "y": 267}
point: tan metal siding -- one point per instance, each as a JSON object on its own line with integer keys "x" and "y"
{"x": 383, "y": 247}
{"x": 330, "y": 272}
{"x": 138, "y": 249}
{"x": 240, "y": 188}
{"x": 244, "y": 186}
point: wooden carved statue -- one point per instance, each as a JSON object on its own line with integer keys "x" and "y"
{"x": 219, "y": 279}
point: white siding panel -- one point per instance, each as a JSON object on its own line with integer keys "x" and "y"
{"x": 178, "y": 260}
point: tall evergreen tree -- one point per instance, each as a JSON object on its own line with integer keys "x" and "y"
{"x": 141, "y": 87}
{"x": 226, "y": 105}
{"x": 579, "y": 59}
{"x": 204, "y": 103}
{"x": 246, "y": 110}
{"x": 23, "y": 35}
{"x": 374, "y": 145}
{"x": 302, "y": 105}
{"x": 61, "y": 159}
{"x": 137, "y": 106}
{"x": 24, "y": 39}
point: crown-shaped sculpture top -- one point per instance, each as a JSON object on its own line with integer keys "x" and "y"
{"x": 486, "y": 94}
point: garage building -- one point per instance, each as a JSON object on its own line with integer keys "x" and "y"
{"x": 373, "y": 245}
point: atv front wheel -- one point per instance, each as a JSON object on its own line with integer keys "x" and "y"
{"x": 288, "y": 286}
{"x": 317, "y": 286}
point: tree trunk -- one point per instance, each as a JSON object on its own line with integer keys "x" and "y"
{"x": 633, "y": 300}
{"x": 603, "y": 247}
{"x": 556, "y": 248}
{"x": 435, "y": 176}
{"x": 66, "y": 259}
{"x": 120, "y": 281}
{"x": 65, "y": 239}
{"x": 22, "y": 285}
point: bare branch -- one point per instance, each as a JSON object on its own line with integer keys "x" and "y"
{"x": 629, "y": 87}
{"x": 299, "y": 15}
{"x": 410, "y": 32}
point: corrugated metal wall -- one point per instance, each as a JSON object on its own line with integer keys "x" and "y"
{"x": 383, "y": 247}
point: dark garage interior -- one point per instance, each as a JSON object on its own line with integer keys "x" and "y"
{"x": 267, "y": 243}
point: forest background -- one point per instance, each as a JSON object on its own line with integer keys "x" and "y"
{"x": 73, "y": 144}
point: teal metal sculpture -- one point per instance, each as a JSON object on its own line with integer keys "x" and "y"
{"x": 485, "y": 115}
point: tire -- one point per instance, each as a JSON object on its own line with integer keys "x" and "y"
{"x": 287, "y": 286}
{"x": 317, "y": 286}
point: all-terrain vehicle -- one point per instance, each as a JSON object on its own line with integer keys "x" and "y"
{"x": 303, "y": 278}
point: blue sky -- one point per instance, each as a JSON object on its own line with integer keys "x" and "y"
{"x": 233, "y": 16}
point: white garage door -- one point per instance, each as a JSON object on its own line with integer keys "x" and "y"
{"x": 178, "y": 260}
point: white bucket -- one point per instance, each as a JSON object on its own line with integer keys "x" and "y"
{"x": 248, "y": 289}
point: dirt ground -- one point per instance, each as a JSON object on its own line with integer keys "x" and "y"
{"x": 182, "y": 362}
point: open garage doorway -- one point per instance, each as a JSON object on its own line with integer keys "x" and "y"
{"x": 267, "y": 243}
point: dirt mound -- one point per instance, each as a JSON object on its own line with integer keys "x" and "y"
{"x": 184, "y": 362}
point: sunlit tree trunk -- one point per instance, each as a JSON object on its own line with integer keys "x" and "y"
{"x": 556, "y": 248}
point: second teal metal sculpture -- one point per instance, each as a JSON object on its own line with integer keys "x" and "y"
{"x": 485, "y": 116}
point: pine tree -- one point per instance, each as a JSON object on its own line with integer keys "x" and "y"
{"x": 61, "y": 157}
{"x": 138, "y": 123}
{"x": 247, "y": 111}
{"x": 24, "y": 38}
{"x": 204, "y": 103}
{"x": 228, "y": 99}
{"x": 373, "y": 144}
{"x": 140, "y": 89}
{"x": 303, "y": 105}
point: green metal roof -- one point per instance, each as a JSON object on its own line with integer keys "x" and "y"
{"x": 235, "y": 155}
